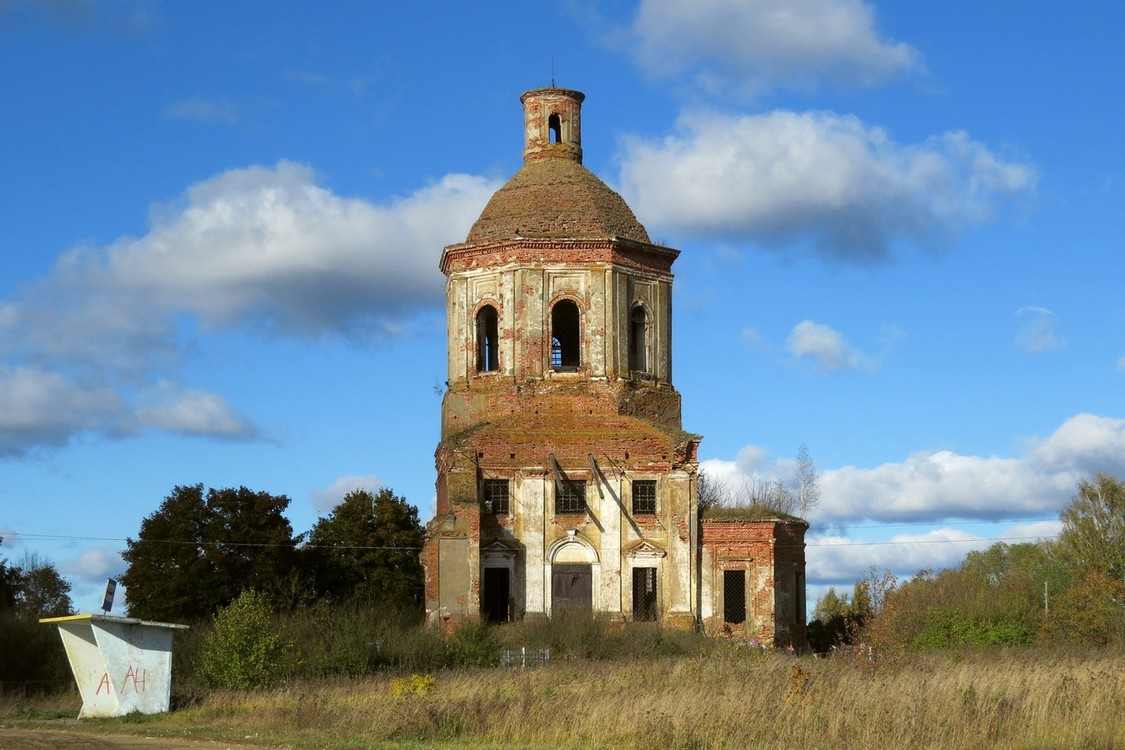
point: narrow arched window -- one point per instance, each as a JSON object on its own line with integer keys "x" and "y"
{"x": 487, "y": 346}
{"x": 554, "y": 124}
{"x": 564, "y": 336}
{"x": 638, "y": 339}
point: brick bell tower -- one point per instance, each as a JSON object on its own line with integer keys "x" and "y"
{"x": 564, "y": 478}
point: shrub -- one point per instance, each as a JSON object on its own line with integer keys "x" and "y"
{"x": 243, "y": 650}
{"x": 476, "y": 645}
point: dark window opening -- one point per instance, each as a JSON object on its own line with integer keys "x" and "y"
{"x": 644, "y": 496}
{"x": 495, "y": 601}
{"x": 495, "y": 496}
{"x": 487, "y": 345}
{"x": 570, "y": 496}
{"x": 564, "y": 336}
{"x": 798, "y": 597}
{"x": 734, "y": 596}
{"x": 555, "y": 126}
{"x": 644, "y": 594}
{"x": 638, "y": 339}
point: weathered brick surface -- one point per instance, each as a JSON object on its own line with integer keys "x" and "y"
{"x": 773, "y": 552}
{"x": 556, "y": 232}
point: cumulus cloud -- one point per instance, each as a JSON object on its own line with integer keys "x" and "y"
{"x": 1039, "y": 332}
{"x": 328, "y": 498}
{"x": 1085, "y": 444}
{"x": 751, "y": 47}
{"x": 837, "y": 559}
{"x": 97, "y": 344}
{"x": 935, "y": 485}
{"x": 785, "y": 179}
{"x": 826, "y": 347}
{"x": 859, "y": 506}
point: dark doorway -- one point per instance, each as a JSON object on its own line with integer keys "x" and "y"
{"x": 734, "y": 596}
{"x": 644, "y": 594}
{"x": 572, "y": 587}
{"x": 496, "y": 595}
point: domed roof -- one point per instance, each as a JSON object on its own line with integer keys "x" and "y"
{"x": 555, "y": 198}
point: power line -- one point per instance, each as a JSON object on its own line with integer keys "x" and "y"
{"x": 200, "y": 543}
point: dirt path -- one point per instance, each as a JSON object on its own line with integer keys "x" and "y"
{"x": 17, "y": 738}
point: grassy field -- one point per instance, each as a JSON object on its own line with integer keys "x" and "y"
{"x": 731, "y": 697}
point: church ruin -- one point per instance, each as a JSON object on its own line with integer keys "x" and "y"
{"x": 564, "y": 476}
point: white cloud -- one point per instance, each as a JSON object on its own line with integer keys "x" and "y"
{"x": 751, "y": 46}
{"x": 1039, "y": 332}
{"x": 943, "y": 484}
{"x": 94, "y": 565}
{"x": 935, "y": 485}
{"x": 328, "y": 498}
{"x": 270, "y": 245}
{"x": 1085, "y": 444}
{"x": 96, "y": 346}
{"x": 839, "y": 559}
{"x": 785, "y": 178}
{"x": 827, "y": 347}
{"x": 171, "y": 407}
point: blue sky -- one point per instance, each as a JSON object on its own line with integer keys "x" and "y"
{"x": 900, "y": 224}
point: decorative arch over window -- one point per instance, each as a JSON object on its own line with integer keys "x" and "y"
{"x": 565, "y": 338}
{"x": 487, "y": 339}
{"x": 638, "y": 339}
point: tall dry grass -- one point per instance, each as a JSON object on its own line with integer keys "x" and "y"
{"x": 727, "y": 698}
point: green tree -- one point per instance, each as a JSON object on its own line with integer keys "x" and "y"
{"x": 1093, "y": 534}
{"x": 196, "y": 553}
{"x": 367, "y": 548}
{"x": 1091, "y": 612}
{"x": 40, "y": 590}
{"x": 8, "y": 586}
{"x": 829, "y": 624}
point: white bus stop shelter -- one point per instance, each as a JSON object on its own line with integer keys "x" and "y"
{"x": 121, "y": 664}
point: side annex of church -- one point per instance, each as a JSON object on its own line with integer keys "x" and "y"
{"x": 564, "y": 476}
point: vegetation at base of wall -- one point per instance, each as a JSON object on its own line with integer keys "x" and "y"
{"x": 728, "y": 698}
{"x": 327, "y": 640}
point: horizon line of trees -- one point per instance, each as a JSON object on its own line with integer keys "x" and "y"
{"x": 201, "y": 549}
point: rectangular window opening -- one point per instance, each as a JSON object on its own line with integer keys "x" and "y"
{"x": 570, "y": 496}
{"x": 644, "y": 496}
{"x": 495, "y": 497}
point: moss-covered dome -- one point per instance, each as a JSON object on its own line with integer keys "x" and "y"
{"x": 555, "y": 198}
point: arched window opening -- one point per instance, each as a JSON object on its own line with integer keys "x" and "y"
{"x": 554, "y": 124}
{"x": 638, "y": 339}
{"x": 487, "y": 345}
{"x": 564, "y": 336}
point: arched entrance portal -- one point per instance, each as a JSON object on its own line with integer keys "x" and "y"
{"x": 573, "y": 569}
